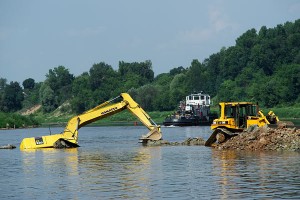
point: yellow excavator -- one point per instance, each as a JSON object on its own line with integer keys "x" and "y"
{"x": 236, "y": 117}
{"x": 69, "y": 137}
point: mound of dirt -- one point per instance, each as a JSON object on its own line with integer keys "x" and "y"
{"x": 265, "y": 138}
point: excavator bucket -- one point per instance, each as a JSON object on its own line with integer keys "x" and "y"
{"x": 154, "y": 134}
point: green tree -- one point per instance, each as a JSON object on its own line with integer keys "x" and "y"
{"x": 99, "y": 74}
{"x": 82, "y": 99}
{"x": 28, "y": 83}
{"x": 196, "y": 77}
{"x": 3, "y": 84}
{"x": 12, "y": 97}
{"x": 59, "y": 77}
{"x": 162, "y": 84}
{"x": 145, "y": 96}
{"x": 60, "y": 81}
{"x": 177, "y": 89}
{"x": 177, "y": 70}
{"x": 287, "y": 78}
{"x": 48, "y": 99}
{"x": 143, "y": 70}
{"x": 212, "y": 64}
{"x": 32, "y": 96}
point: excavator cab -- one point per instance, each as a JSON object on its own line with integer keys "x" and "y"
{"x": 236, "y": 117}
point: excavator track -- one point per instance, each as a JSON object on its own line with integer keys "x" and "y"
{"x": 62, "y": 144}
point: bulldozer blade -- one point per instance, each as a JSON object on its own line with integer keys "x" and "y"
{"x": 212, "y": 139}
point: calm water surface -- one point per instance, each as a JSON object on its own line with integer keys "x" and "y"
{"x": 111, "y": 164}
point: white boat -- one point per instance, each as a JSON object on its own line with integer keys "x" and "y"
{"x": 194, "y": 111}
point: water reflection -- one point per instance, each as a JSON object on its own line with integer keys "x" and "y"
{"x": 111, "y": 166}
{"x": 223, "y": 167}
{"x": 49, "y": 168}
{"x": 242, "y": 174}
{"x": 123, "y": 174}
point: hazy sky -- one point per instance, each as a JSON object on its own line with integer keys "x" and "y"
{"x": 38, "y": 35}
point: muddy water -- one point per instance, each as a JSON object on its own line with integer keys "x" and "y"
{"x": 111, "y": 164}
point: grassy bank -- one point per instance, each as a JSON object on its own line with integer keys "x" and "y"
{"x": 288, "y": 114}
{"x": 127, "y": 118}
{"x": 122, "y": 118}
{"x": 14, "y": 120}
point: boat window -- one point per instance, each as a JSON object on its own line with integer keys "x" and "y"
{"x": 202, "y": 97}
{"x": 196, "y": 97}
{"x": 190, "y": 97}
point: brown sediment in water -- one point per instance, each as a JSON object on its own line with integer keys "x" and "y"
{"x": 9, "y": 146}
{"x": 187, "y": 142}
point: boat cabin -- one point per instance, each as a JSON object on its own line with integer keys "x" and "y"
{"x": 195, "y": 110}
{"x": 198, "y": 99}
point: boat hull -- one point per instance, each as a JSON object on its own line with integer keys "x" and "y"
{"x": 186, "y": 122}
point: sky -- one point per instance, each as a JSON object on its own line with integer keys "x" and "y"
{"x": 38, "y": 35}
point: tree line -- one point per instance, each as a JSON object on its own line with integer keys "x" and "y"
{"x": 263, "y": 66}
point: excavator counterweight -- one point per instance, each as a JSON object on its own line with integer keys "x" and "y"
{"x": 69, "y": 137}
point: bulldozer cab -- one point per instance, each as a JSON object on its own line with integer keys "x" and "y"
{"x": 235, "y": 115}
{"x": 239, "y": 112}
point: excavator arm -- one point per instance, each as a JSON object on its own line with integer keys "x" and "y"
{"x": 69, "y": 137}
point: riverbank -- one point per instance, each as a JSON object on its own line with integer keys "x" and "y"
{"x": 124, "y": 118}
{"x": 15, "y": 120}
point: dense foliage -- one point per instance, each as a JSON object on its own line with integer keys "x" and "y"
{"x": 263, "y": 66}
{"x": 13, "y": 120}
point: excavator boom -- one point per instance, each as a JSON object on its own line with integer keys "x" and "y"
{"x": 69, "y": 137}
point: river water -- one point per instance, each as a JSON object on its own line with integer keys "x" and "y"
{"x": 111, "y": 164}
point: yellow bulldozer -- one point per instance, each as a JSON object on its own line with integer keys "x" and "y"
{"x": 235, "y": 117}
